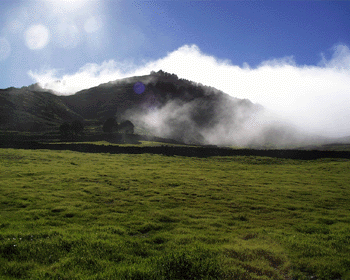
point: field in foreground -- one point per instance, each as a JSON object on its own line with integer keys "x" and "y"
{"x": 70, "y": 215}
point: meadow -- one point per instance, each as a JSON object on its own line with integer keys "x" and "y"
{"x": 73, "y": 215}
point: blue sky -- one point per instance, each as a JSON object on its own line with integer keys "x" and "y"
{"x": 285, "y": 55}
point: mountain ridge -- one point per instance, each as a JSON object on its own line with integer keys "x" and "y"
{"x": 168, "y": 107}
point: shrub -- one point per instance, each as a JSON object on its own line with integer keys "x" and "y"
{"x": 77, "y": 127}
{"x": 110, "y": 125}
{"x": 65, "y": 129}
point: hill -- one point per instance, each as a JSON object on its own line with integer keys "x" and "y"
{"x": 201, "y": 108}
{"x": 166, "y": 107}
{"x": 32, "y": 109}
{"x": 169, "y": 107}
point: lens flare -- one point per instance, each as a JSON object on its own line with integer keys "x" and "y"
{"x": 37, "y": 37}
{"x": 139, "y": 87}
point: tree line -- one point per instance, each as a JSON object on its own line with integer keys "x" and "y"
{"x": 109, "y": 126}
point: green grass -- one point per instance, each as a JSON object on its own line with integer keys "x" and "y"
{"x": 69, "y": 215}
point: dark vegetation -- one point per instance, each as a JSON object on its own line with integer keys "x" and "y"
{"x": 110, "y": 125}
{"x": 75, "y": 128}
{"x": 170, "y": 150}
{"x": 126, "y": 127}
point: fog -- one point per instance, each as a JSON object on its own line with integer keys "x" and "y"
{"x": 313, "y": 98}
{"x": 222, "y": 121}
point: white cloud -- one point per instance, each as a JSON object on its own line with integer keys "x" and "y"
{"x": 88, "y": 76}
{"x": 340, "y": 58}
{"x": 316, "y": 98}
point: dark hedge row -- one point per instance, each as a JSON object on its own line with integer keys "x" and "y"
{"x": 180, "y": 150}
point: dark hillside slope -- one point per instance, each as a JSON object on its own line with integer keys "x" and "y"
{"x": 32, "y": 109}
{"x": 118, "y": 96}
{"x": 7, "y": 108}
{"x": 102, "y": 102}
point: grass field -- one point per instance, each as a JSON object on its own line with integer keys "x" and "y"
{"x": 70, "y": 215}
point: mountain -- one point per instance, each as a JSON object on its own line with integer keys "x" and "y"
{"x": 164, "y": 106}
{"x": 169, "y": 107}
{"x": 115, "y": 98}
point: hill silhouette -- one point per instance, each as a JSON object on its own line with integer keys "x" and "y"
{"x": 164, "y": 106}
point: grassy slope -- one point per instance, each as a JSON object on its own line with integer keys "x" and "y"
{"x": 68, "y": 215}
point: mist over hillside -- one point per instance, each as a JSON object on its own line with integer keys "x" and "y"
{"x": 166, "y": 106}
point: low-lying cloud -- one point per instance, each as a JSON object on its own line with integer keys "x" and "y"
{"x": 316, "y": 98}
{"x": 219, "y": 121}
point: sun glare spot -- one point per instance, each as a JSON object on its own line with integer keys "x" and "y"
{"x": 37, "y": 37}
{"x": 68, "y": 6}
{"x": 5, "y": 49}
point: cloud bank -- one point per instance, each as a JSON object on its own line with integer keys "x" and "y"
{"x": 313, "y": 97}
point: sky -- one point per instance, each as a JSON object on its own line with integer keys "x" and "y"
{"x": 292, "y": 57}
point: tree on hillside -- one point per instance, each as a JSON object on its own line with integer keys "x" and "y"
{"x": 77, "y": 127}
{"x": 65, "y": 129}
{"x": 110, "y": 125}
{"x": 126, "y": 127}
